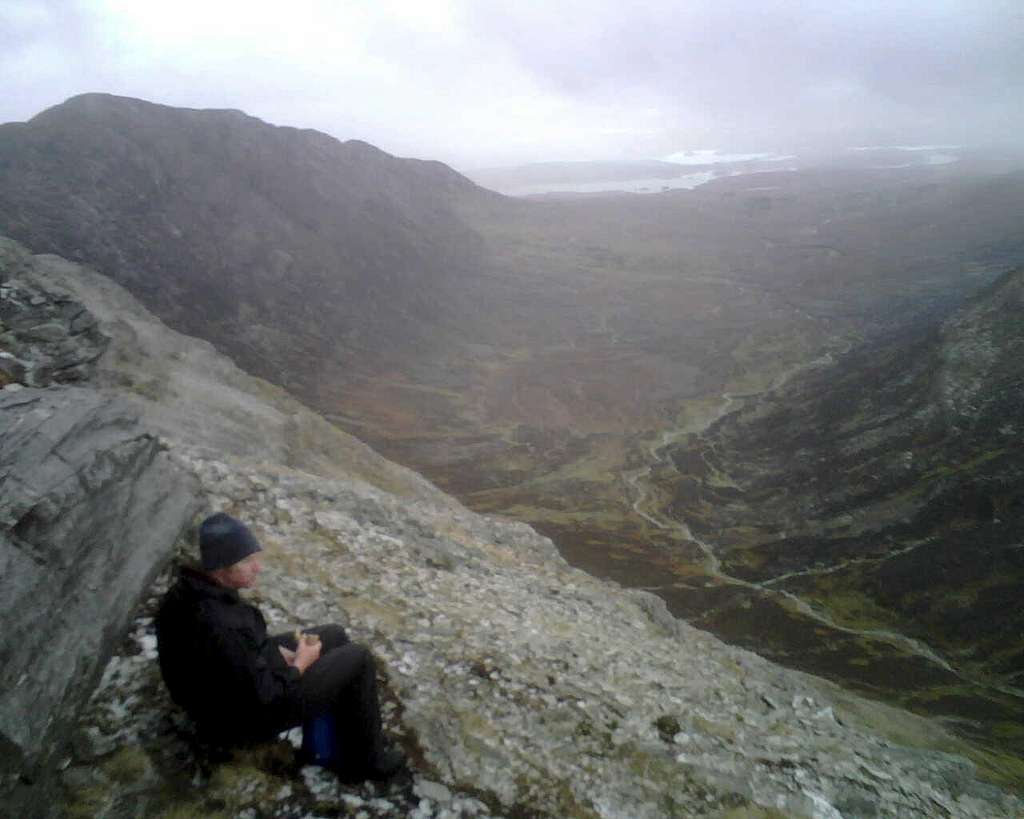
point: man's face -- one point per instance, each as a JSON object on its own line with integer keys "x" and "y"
{"x": 243, "y": 574}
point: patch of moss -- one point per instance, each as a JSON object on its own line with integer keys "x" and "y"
{"x": 241, "y": 784}
{"x": 88, "y": 803}
{"x": 191, "y": 810}
{"x": 153, "y": 389}
{"x": 668, "y": 726}
{"x": 130, "y": 765}
{"x": 948, "y": 470}
{"x": 715, "y": 729}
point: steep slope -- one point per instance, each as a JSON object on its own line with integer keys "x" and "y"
{"x": 520, "y": 685}
{"x": 887, "y": 491}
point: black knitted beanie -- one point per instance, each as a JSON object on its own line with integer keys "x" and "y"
{"x": 223, "y": 541}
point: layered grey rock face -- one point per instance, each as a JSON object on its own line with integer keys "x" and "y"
{"x": 90, "y": 509}
{"x": 518, "y": 685}
{"x": 46, "y": 337}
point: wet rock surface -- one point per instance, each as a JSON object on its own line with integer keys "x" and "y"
{"x": 517, "y": 685}
{"x": 90, "y": 509}
{"x": 45, "y": 337}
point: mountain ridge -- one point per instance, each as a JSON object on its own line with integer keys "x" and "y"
{"x": 136, "y": 177}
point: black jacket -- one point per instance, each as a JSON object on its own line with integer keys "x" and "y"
{"x": 219, "y": 664}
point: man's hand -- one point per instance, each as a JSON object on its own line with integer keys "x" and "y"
{"x": 308, "y": 652}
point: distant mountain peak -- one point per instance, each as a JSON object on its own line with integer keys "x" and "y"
{"x": 186, "y": 206}
{"x": 93, "y": 102}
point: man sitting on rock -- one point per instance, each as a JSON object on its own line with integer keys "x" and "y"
{"x": 242, "y": 686}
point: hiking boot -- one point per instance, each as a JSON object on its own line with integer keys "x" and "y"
{"x": 386, "y": 765}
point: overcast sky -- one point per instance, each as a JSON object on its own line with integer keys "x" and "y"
{"x": 485, "y": 83}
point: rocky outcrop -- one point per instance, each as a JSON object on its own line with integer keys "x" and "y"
{"x": 90, "y": 509}
{"x": 45, "y": 338}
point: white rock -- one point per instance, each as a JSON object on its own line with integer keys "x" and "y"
{"x": 435, "y": 791}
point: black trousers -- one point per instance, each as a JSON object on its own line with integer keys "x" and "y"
{"x": 340, "y": 706}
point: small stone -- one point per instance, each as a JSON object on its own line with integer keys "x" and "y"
{"x": 435, "y": 791}
{"x": 826, "y": 713}
{"x": 48, "y": 332}
{"x": 83, "y": 321}
{"x": 11, "y": 369}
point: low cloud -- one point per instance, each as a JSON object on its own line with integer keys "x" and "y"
{"x": 484, "y": 83}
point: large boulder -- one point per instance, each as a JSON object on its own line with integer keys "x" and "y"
{"x": 90, "y": 510}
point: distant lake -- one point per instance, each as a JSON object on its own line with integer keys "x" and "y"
{"x": 711, "y": 156}
{"x": 675, "y": 172}
{"x": 646, "y": 185}
{"x": 653, "y": 184}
